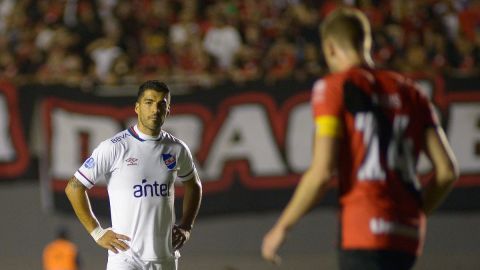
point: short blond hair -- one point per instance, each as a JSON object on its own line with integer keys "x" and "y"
{"x": 350, "y": 28}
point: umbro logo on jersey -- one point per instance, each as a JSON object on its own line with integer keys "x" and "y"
{"x": 169, "y": 161}
{"x": 131, "y": 161}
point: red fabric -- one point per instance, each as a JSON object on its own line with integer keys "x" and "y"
{"x": 469, "y": 20}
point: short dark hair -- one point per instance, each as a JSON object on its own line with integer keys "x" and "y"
{"x": 350, "y": 27}
{"x": 152, "y": 85}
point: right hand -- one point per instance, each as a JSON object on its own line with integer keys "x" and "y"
{"x": 272, "y": 241}
{"x": 114, "y": 241}
{"x": 179, "y": 236}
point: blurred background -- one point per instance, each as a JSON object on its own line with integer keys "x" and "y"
{"x": 240, "y": 72}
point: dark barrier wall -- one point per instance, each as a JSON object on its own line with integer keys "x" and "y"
{"x": 251, "y": 143}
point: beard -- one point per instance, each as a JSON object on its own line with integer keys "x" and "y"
{"x": 153, "y": 124}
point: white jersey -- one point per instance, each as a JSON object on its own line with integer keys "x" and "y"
{"x": 140, "y": 171}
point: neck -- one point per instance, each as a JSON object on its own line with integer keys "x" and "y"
{"x": 147, "y": 131}
{"x": 352, "y": 59}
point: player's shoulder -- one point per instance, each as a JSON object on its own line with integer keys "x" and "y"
{"x": 116, "y": 141}
{"x": 403, "y": 80}
{"x": 326, "y": 82}
{"x": 335, "y": 80}
{"x": 394, "y": 77}
{"x": 405, "y": 84}
{"x": 170, "y": 139}
{"x": 332, "y": 83}
{"x": 113, "y": 146}
{"x": 119, "y": 137}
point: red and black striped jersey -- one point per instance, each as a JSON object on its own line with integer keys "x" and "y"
{"x": 380, "y": 118}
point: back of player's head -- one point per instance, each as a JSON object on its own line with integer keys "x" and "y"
{"x": 152, "y": 85}
{"x": 350, "y": 28}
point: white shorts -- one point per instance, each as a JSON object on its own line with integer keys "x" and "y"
{"x": 125, "y": 262}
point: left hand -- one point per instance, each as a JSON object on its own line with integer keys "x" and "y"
{"x": 272, "y": 241}
{"x": 179, "y": 236}
{"x": 114, "y": 242}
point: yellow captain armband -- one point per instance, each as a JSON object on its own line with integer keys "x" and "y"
{"x": 327, "y": 125}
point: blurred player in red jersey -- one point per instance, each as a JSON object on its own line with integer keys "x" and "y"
{"x": 371, "y": 126}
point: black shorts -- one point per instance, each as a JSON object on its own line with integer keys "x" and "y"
{"x": 375, "y": 260}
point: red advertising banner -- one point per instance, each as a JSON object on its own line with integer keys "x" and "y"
{"x": 14, "y": 154}
{"x": 250, "y": 144}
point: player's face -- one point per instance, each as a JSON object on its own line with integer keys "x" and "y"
{"x": 152, "y": 109}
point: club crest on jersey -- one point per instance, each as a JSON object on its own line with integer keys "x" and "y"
{"x": 89, "y": 163}
{"x": 169, "y": 161}
{"x": 131, "y": 161}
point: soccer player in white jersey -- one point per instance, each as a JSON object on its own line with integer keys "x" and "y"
{"x": 140, "y": 165}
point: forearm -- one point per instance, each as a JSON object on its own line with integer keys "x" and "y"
{"x": 191, "y": 203}
{"x": 436, "y": 191}
{"x": 446, "y": 169}
{"x": 310, "y": 189}
{"x": 78, "y": 198}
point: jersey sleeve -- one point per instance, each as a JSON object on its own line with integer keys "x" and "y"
{"x": 186, "y": 167}
{"x": 97, "y": 165}
{"x": 327, "y": 102}
{"x": 426, "y": 110}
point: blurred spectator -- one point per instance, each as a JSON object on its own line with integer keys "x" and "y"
{"x": 247, "y": 66}
{"x": 61, "y": 64}
{"x": 415, "y": 60}
{"x": 121, "y": 72}
{"x": 192, "y": 64}
{"x": 450, "y": 19}
{"x": 469, "y": 17}
{"x": 222, "y": 41}
{"x": 61, "y": 253}
{"x": 8, "y": 67}
{"x": 104, "y": 50}
{"x": 89, "y": 26}
{"x": 155, "y": 61}
{"x": 383, "y": 49}
{"x": 306, "y": 20}
{"x": 184, "y": 29}
{"x": 61, "y": 68}
{"x": 204, "y": 43}
{"x": 45, "y": 36}
{"x": 6, "y": 8}
{"x": 129, "y": 22}
{"x": 462, "y": 58}
{"x": 309, "y": 66}
{"x": 73, "y": 73}
{"x": 280, "y": 61}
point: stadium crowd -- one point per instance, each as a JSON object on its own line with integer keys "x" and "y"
{"x": 206, "y": 42}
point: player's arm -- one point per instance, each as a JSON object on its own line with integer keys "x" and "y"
{"x": 311, "y": 188}
{"x": 191, "y": 201}
{"x": 445, "y": 168}
{"x": 191, "y": 204}
{"x": 313, "y": 183}
{"x": 78, "y": 197}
